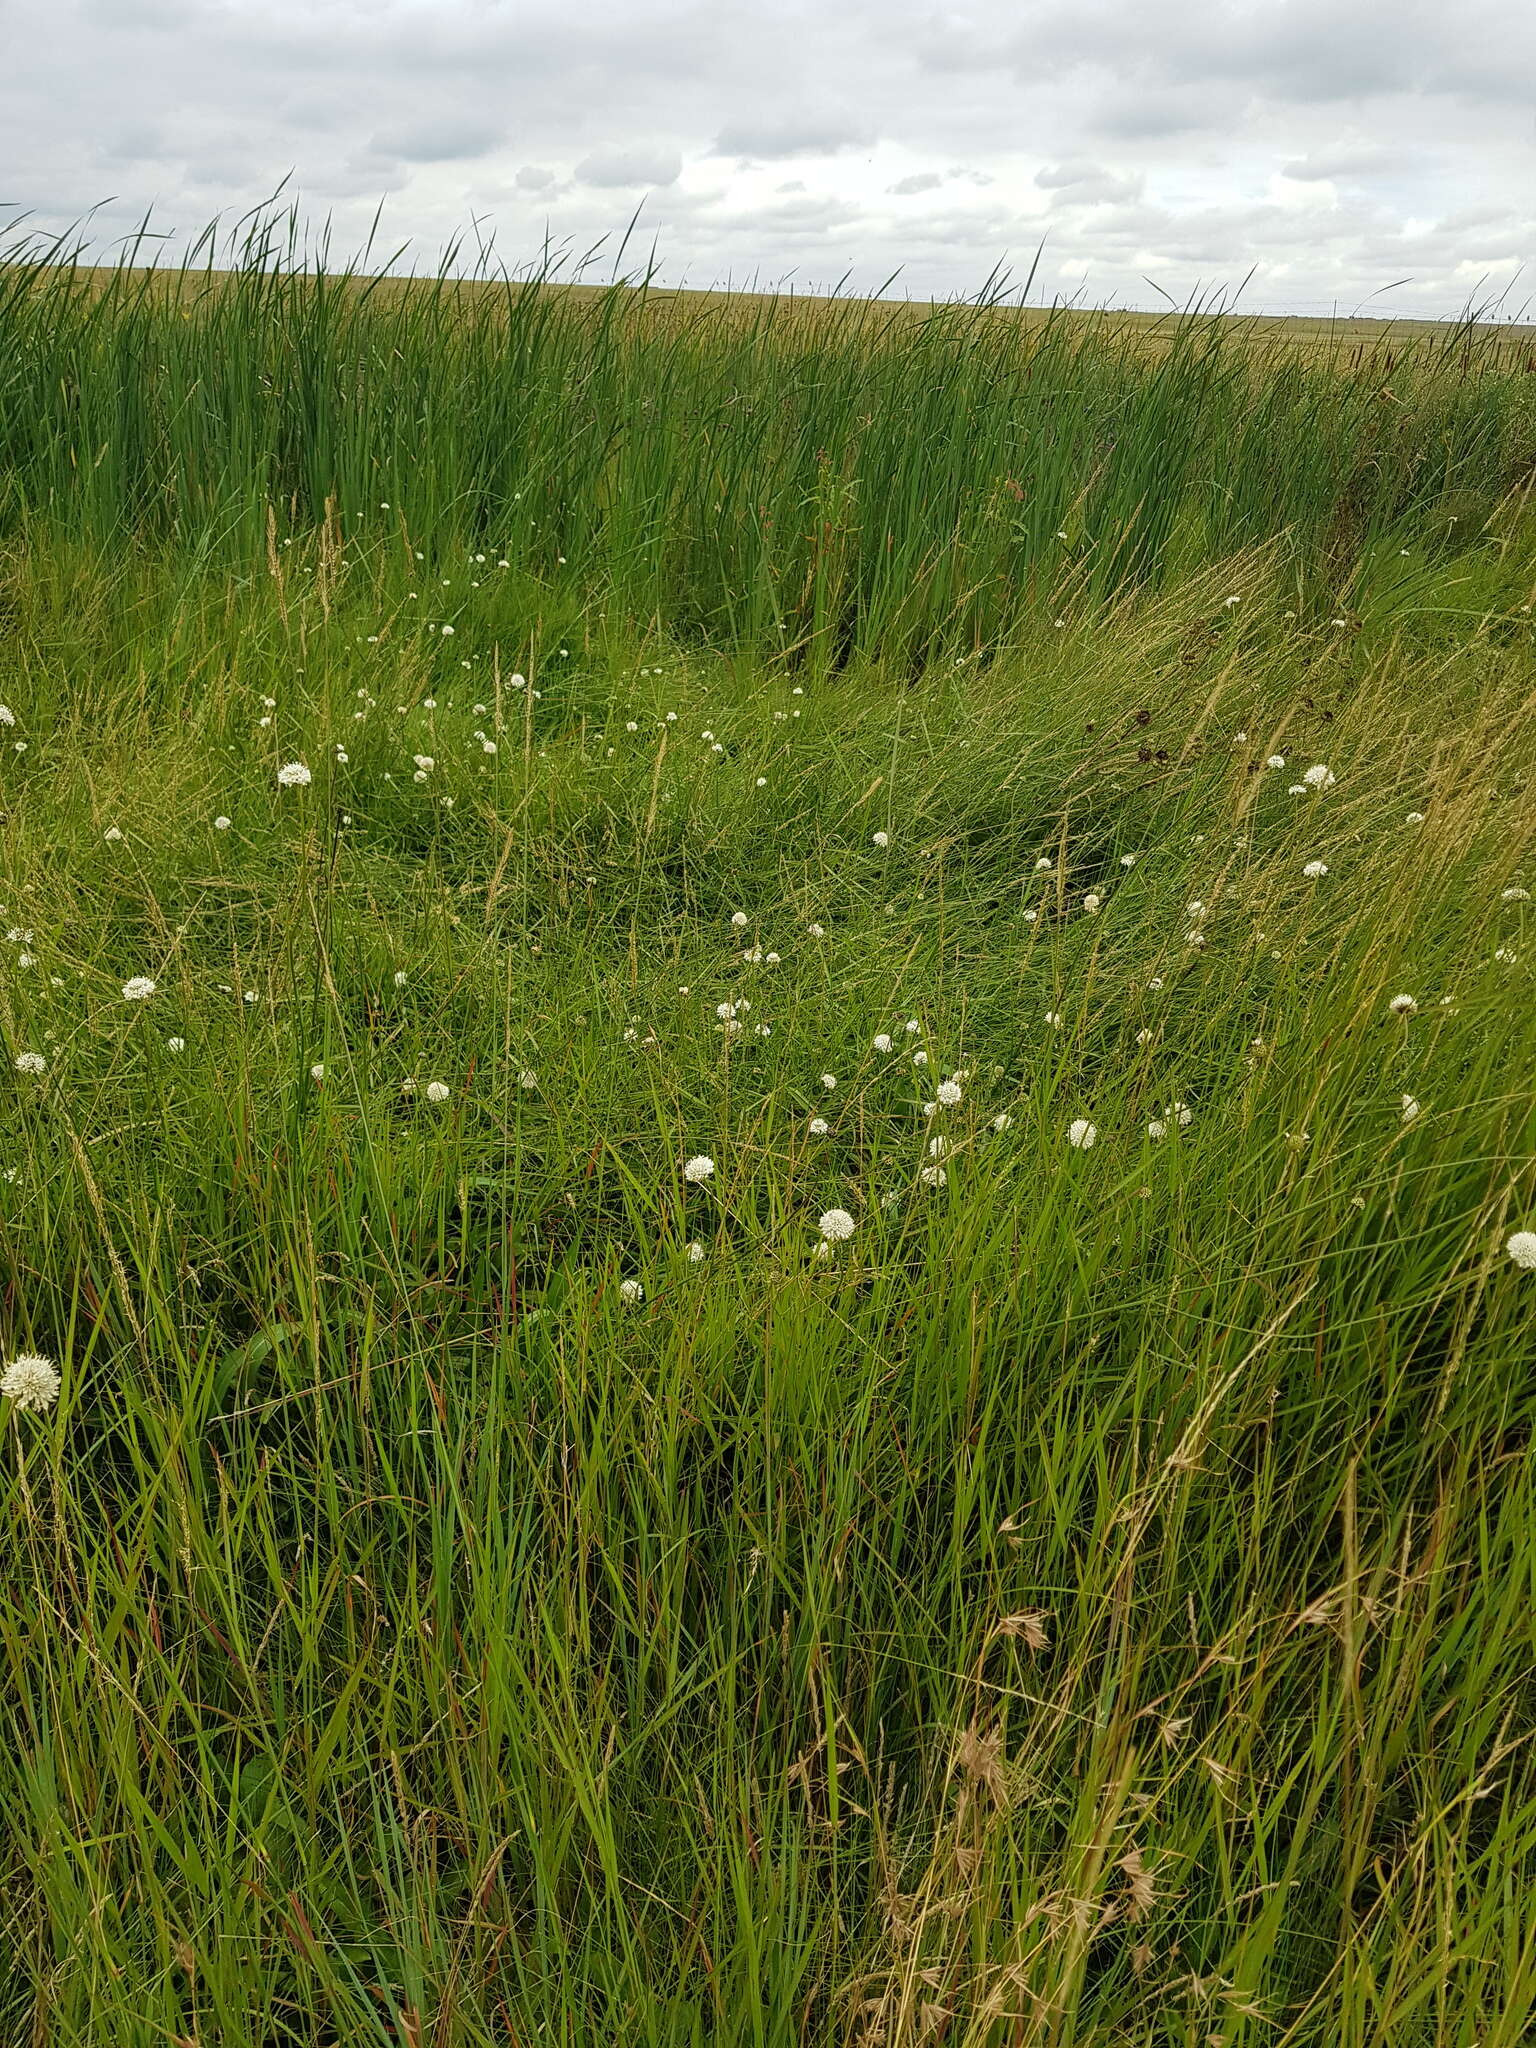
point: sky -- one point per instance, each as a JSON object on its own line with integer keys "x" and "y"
{"x": 1310, "y": 156}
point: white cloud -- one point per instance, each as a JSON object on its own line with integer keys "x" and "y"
{"x": 1329, "y": 148}
{"x": 611, "y": 168}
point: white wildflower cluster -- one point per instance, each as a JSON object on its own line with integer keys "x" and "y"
{"x": 30, "y": 1383}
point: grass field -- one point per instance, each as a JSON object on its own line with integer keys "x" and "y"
{"x": 766, "y": 1085}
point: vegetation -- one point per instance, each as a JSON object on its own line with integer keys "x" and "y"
{"x": 485, "y": 1579}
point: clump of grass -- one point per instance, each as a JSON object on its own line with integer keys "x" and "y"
{"x": 478, "y": 1576}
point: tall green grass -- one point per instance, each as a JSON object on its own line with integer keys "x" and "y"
{"x": 1092, "y": 1607}
{"x": 835, "y": 480}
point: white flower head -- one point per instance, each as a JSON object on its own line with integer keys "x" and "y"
{"x": 1515, "y": 895}
{"x": 1403, "y": 1006}
{"x": 31, "y": 1382}
{"x": 175, "y": 1045}
{"x": 740, "y": 920}
{"x": 882, "y": 838}
{"x": 949, "y": 1093}
{"x": 882, "y": 1041}
{"x": 1093, "y": 903}
{"x": 317, "y": 1072}
{"x": 7, "y": 715}
{"x": 1315, "y": 870}
{"x": 1275, "y": 761}
{"x": 816, "y": 931}
{"x": 111, "y": 833}
{"x": 1319, "y": 776}
{"x": 836, "y": 1225}
{"x": 1157, "y": 1128}
{"x": 1001, "y": 1121}
{"x": 31, "y": 1063}
{"x": 1522, "y": 1249}
{"x": 294, "y": 775}
{"x": 138, "y": 988}
{"x": 698, "y": 1169}
{"x": 695, "y": 1253}
{"x": 1411, "y": 1108}
{"x": 631, "y": 1293}
{"x": 1081, "y": 1133}
{"x": 829, "y": 1082}
{"x": 527, "y": 1078}
{"x": 437, "y": 1091}
{"x": 933, "y": 1176}
{"x": 1414, "y": 818}
{"x": 818, "y": 1127}
{"x": 221, "y": 824}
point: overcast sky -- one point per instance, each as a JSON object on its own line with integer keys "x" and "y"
{"x": 1332, "y": 147}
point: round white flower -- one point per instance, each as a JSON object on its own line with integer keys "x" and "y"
{"x": 1093, "y": 903}
{"x": 835, "y": 1225}
{"x": 699, "y": 1168}
{"x": 7, "y": 715}
{"x": 933, "y": 1176}
{"x": 818, "y": 1127}
{"x": 829, "y": 1082}
{"x": 293, "y": 775}
{"x": 740, "y": 920}
{"x": 1157, "y": 1128}
{"x": 1516, "y": 895}
{"x": 317, "y": 1072}
{"x": 882, "y": 839}
{"x": 437, "y": 1091}
{"x": 111, "y": 833}
{"x": 1403, "y": 1006}
{"x": 1414, "y": 818}
{"x": 1522, "y": 1249}
{"x": 1319, "y": 776}
{"x": 1002, "y": 1121}
{"x": 816, "y": 931}
{"x": 527, "y": 1078}
{"x": 424, "y": 761}
{"x": 949, "y": 1093}
{"x": 1275, "y": 761}
{"x": 175, "y": 1045}
{"x": 138, "y": 988}
{"x": 631, "y": 1292}
{"x": 1081, "y": 1133}
{"x": 31, "y": 1382}
{"x": 221, "y": 824}
{"x": 31, "y": 1063}
{"x": 882, "y": 1041}
{"x": 695, "y": 1252}
{"x": 1315, "y": 869}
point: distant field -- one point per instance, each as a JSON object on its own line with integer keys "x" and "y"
{"x": 767, "y": 1175}
{"x": 1343, "y": 340}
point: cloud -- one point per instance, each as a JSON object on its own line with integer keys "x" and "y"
{"x": 795, "y": 132}
{"x": 610, "y": 169}
{"x": 444, "y": 140}
{"x": 1085, "y": 184}
{"x": 1330, "y": 148}
{"x": 1331, "y": 165}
